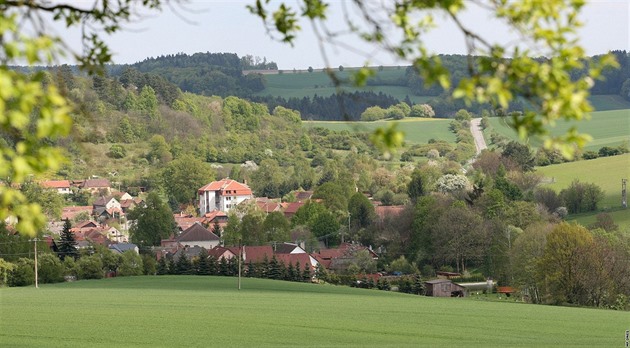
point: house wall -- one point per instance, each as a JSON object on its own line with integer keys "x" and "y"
{"x": 207, "y": 202}
{"x": 228, "y": 202}
{"x": 63, "y": 190}
{"x": 204, "y": 244}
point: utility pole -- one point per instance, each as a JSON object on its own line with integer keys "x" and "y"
{"x": 35, "y": 240}
{"x": 240, "y": 255}
{"x": 624, "y": 195}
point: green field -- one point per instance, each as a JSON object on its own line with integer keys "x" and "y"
{"x": 606, "y": 172}
{"x": 417, "y": 130}
{"x": 304, "y": 84}
{"x": 169, "y": 311}
{"x": 608, "y": 128}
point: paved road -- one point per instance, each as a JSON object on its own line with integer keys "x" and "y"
{"x": 475, "y": 129}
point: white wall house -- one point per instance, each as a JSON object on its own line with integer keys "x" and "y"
{"x": 222, "y": 195}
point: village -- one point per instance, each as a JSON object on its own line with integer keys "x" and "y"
{"x": 105, "y": 223}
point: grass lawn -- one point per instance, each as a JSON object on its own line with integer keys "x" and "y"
{"x": 608, "y": 128}
{"x": 195, "y": 311}
{"x": 417, "y": 130}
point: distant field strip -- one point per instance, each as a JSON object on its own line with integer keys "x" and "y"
{"x": 195, "y": 311}
{"x": 608, "y": 128}
{"x": 417, "y": 130}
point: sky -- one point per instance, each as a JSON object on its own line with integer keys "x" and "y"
{"x": 227, "y": 26}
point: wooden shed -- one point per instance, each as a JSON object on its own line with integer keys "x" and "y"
{"x": 444, "y": 288}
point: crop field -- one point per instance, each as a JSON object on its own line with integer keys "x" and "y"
{"x": 606, "y": 172}
{"x": 608, "y": 128}
{"x": 168, "y": 311}
{"x": 417, "y": 130}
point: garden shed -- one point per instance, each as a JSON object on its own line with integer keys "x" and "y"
{"x": 444, "y": 288}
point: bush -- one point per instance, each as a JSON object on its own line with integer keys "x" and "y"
{"x": 23, "y": 273}
{"x": 50, "y": 269}
{"x": 117, "y": 151}
{"x": 90, "y": 267}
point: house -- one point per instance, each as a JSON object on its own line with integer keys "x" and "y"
{"x": 222, "y": 195}
{"x": 115, "y": 235}
{"x": 302, "y": 259}
{"x": 71, "y": 213}
{"x": 122, "y": 247}
{"x": 216, "y": 216}
{"x": 106, "y": 203}
{"x": 61, "y": 186}
{"x": 197, "y": 235}
{"x": 107, "y": 208}
{"x": 288, "y": 248}
{"x": 220, "y": 252}
{"x": 95, "y": 186}
{"x": 340, "y": 258}
{"x": 291, "y": 209}
{"x": 254, "y": 254}
{"x": 269, "y": 206}
{"x": 185, "y": 221}
{"x": 444, "y": 288}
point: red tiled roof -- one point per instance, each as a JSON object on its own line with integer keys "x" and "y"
{"x": 185, "y": 222}
{"x": 269, "y": 207}
{"x": 56, "y": 184}
{"x": 255, "y": 254}
{"x": 292, "y": 208}
{"x": 220, "y": 251}
{"x": 303, "y": 259}
{"x": 234, "y": 187}
{"x": 96, "y": 183}
{"x": 210, "y": 216}
{"x": 71, "y": 212}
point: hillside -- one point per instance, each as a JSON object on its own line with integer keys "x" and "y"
{"x": 202, "y": 311}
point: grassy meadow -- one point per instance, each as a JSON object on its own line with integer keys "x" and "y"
{"x": 606, "y": 172}
{"x": 417, "y": 130}
{"x": 194, "y": 311}
{"x": 608, "y": 128}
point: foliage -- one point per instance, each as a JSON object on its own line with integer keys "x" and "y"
{"x": 183, "y": 177}
{"x": 50, "y": 269}
{"x": 153, "y": 221}
{"x": 23, "y": 273}
{"x": 581, "y": 197}
{"x": 90, "y": 267}
{"x": 67, "y": 243}
{"x": 131, "y": 264}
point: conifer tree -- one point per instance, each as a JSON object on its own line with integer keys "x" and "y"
{"x": 232, "y": 266}
{"x": 184, "y": 265}
{"x": 251, "y": 270}
{"x": 203, "y": 267}
{"x": 223, "y": 267}
{"x": 417, "y": 287}
{"x": 162, "y": 266}
{"x": 67, "y": 244}
{"x": 306, "y": 273}
{"x": 213, "y": 265}
{"x": 263, "y": 272}
{"x": 172, "y": 266}
{"x": 276, "y": 269}
{"x": 290, "y": 273}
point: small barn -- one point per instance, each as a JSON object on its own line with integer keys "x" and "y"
{"x": 444, "y": 288}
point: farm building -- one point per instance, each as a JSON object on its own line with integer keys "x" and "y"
{"x": 444, "y": 288}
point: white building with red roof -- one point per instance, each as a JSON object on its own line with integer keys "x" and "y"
{"x": 222, "y": 195}
{"x": 61, "y": 186}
